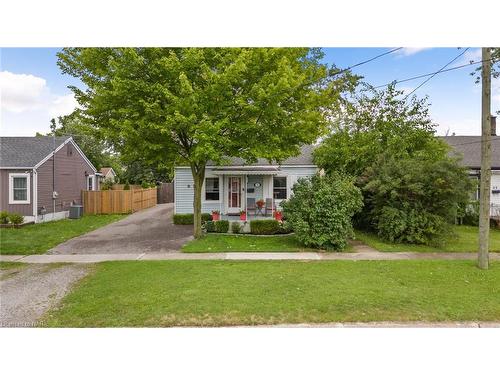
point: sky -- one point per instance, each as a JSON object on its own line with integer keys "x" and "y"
{"x": 33, "y": 89}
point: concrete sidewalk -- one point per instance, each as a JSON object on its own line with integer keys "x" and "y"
{"x": 96, "y": 258}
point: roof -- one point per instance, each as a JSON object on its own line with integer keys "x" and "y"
{"x": 470, "y": 148}
{"x": 304, "y": 158}
{"x": 26, "y": 152}
{"x": 105, "y": 170}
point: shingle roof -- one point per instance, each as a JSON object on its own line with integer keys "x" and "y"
{"x": 470, "y": 148}
{"x": 26, "y": 152}
{"x": 304, "y": 158}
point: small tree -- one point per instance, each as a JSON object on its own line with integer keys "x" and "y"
{"x": 192, "y": 105}
{"x": 321, "y": 209}
{"x": 414, "y": 200}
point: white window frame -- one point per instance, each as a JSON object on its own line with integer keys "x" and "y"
{"x": 203, "y": 191}
{"x": 11, "y": 188}
{"x": 92, "y": 177}
{"x": 286, "y": 189}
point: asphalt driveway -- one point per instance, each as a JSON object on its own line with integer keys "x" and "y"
{"x": 150, "y": 230}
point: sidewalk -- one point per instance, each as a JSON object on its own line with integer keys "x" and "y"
{"x": 96, "y": 258}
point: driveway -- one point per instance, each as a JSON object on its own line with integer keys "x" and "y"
{"x": 146, "y": 231}
{"x": 28, "y": 291}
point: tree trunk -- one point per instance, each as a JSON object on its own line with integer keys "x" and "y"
{"x": 198, "y": 178}
{"x": 484, "y": 204}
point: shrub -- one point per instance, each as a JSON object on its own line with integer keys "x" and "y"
{"x": 126, "y": 186}
{"x": 235, "y": 227}
{"x": 107, "y": 184}
{"x": 264, "y": 227}
{"x": 209, "y": 226}
{"x": 4, "y": 217}
{"x": 469, "y": 214}
{"x": 414, "y": 200}
{"x": 321, "y": 209}
{"x": 16, "y": 218}
{"x": 188, "y": 219}
{"x": 221, "y": 226}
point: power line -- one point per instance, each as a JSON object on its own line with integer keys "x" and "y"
{"x": 367, "y": 61}
{"x": 429, "y": 74}
{"x": 433, "y": 75}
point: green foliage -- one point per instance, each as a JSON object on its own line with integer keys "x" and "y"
{"x": 469, "y": 213}
{"x": 107, "y": 184}
{"x": 221, "y": 226}
{"x": 165, "y": 105}
{"x": 376, "y": 123}
{"x": 16, "y": 218}
{"x": 235, "y": 227}
{"x": 139, "y": 170}
{"x": 188, "y": 219}
{"x": 264, "y": 226}
{"x": 414, "y": 200}
{"x": 4, "y": 217}
{"x": 126, "y": 186}
{"x": 210, "y": 226}
{"x": 321, "y": 209}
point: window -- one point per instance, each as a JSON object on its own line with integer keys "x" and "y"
{"x": 19, "y": 191}
{"x": 212, "y": 189}
{"x": 90, "y": 183}
{"x": 279, "y": 189}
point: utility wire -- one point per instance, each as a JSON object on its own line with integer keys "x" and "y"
{"x": 367, "y": 61}
{"x": 433, "y": 75}
{"x": 429, "y": 74}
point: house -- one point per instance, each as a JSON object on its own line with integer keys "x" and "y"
{"x": 108, "y": 173}
{"x": 41, "y": 177}
{"x": 228, "y": 188}
{"x": 469, "y": 149}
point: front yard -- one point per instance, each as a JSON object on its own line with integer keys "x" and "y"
{"x": 466, "y": 240}
{"x": 215, "y": 293}
{"x": 38, "y": 238}
{"x": 220, "y": 243}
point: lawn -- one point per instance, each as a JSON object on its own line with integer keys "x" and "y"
{"x": 38, "y": 238}
{"x": 215, "y": 293}
{"x": 215, "y": 243}
{"x": 465, "y": 240}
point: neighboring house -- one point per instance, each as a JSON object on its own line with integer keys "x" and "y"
{"x": 469, "y": 148}
{"x": 107, "y": 173}
{"x": 35, "y": 186}
{"x": 227, "y": 188}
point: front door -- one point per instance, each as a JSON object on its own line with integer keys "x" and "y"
{"x": 234, "y": 195}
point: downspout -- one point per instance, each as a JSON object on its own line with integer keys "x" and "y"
{"x": 35, "y": 195}
{"x": 54, "y": 177}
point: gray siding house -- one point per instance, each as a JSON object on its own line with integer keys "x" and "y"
{"x": 228, "y": 188}
{"x": 41, "y": 177}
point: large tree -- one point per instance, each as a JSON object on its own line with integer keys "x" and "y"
{"x": 192, "y": 105}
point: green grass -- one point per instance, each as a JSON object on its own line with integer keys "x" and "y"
{"x": 464, "y": 240}
{"x": 214, "y": 293}
{"x": 215, "y": 243}
{"x": 9, "y": 265}
{"x": 38, "y": 238}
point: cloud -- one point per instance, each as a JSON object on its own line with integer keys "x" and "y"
{"x": 27, "y": 104}
{"x": 407, "y": 51}
{"x": 21, "y": 92}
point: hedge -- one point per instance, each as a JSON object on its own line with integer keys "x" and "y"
{"x": 265, "y": 227}
{"x": 188, "y": 219}
{"x": 221, "y": 226}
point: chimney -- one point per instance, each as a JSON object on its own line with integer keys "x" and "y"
{"x": 493, "y": 125}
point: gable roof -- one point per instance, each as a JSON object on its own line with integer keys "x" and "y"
{"x": 304, "y": 158}
{"x": 26, "y": 152}
{"x": 105, "y": 170}
{"x": 469, "y": 147}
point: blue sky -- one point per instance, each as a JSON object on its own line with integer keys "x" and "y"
{"x": 33, "y": 90}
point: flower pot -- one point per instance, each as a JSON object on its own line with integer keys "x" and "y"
{"x": 278, "y": 215}
{"x": 215, "y": 217}
{"x": 243, "y": 217}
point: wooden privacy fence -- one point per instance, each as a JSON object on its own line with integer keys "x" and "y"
{"x": 117, "y": 201}
{"x": 166, "y": 192}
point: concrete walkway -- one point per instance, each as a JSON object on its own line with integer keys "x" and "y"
{"x": 96, "y": 258}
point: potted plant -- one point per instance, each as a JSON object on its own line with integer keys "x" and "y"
{"x": 215, "y": 215}
{"x": 278, "y": 215}
{"x": 243, "y": 215}
{"x": 260, "y": 203}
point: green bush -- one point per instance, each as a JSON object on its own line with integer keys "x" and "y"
{"x": 321, "y": 209}
{"x": 469, "y": 214}
{"x": 209, "y": 226}
{"x": 107, "y": 184}
{"x": 16, "y": 218}
{"x": 188, "y": 219}
{"x": 4, "y": 217}
{"x": 264, "y": 226}
{"x": 126, "y": 186}
{"x": 414, "y": 200}
{"x": 235, "y": 227}
{"x": 221, "y": 226}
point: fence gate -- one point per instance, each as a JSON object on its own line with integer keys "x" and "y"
{"x": 166, "y": 192}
